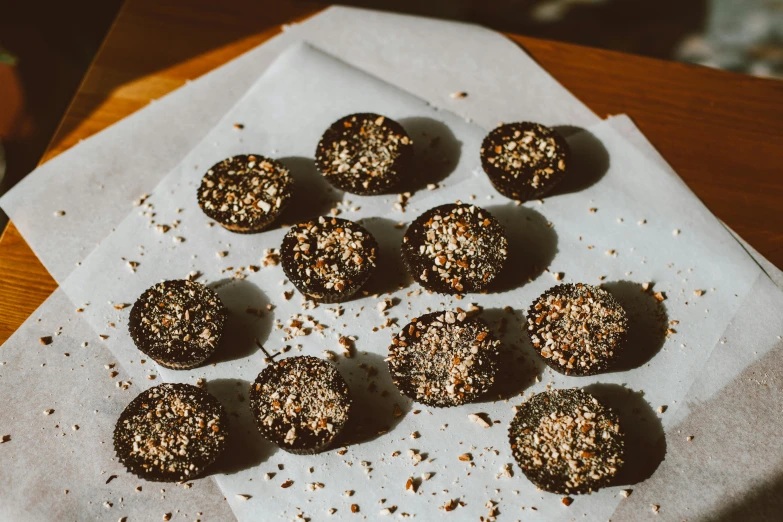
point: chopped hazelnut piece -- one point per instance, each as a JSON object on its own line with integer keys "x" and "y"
{"x": 479, "y": 419}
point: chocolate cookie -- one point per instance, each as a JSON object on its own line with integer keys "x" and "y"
{"x": 170, "y": 433}
{"x": 578, "y": 329}
{"x": 365, "y": 154}
{"x": 455, "y": 249}
{"x": 567, "y": 442}
{"x": 328, "y": 260}
{"x": 177, "y": 323}
{"x": 524, "y": 160}
{"x": 300, "y": 403}
{"x": 245, "y": 193}
{"x": 444, "y": 359}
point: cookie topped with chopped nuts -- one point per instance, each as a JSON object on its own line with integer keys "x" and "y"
{"x": 455, "y": 249}
{"x": 300, "y": 403}
{"x": 578, "y": 329}
{"x": 245, "y": 193}
{"x": 177, "y": 323}
{"x": 329, "y": 259}
{"x": 444, "y": 359}
{"x": 524, "y": 160}
{"x": 567, "y": 442}
{"x": 365, "y": 154}
{"x": 170, "y": 433}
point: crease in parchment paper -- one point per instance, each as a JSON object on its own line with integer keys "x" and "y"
{"x": 95, "y": 181}
{"x": 631, "y": 190}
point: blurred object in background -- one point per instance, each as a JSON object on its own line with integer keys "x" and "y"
{"x": 737, "y": 35}
{"x": 740, "y": 35}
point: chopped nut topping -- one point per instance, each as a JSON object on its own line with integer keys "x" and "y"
{"x": 455, "y": 248}
{"x": 566, "y": 442}
{"x": 245, "y": 192}
{"x": 364, "y": 153}
{"x": 577, "y": 328}
{"x": 443, "y": 358}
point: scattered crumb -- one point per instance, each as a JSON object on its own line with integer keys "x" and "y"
{"x": 45, "y": 340}
{"x": 567, "y": 501}
{"x": 459, "y": 94}
{"x": 479, "y": 419}
{"x": 689, "y": 438}
{"x": 626, "y": 492}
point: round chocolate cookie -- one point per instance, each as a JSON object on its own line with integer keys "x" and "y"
{"x": 524, "y": 160}
{"x": 177, "y": 323}
{"x": 328, "y": 260}
{"x": 364, "y": 154}
{"x": 300, "y": 403}
{"x": 455, "y": 249}
{"x": 567, "y": 442}
{"x": 578, "y": 329}
{"x": 444, "y": 359}
{"x": 245, "y": 193}
{"x": 170, "y": 433}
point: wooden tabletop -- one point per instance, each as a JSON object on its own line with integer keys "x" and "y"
{"x": 722, "y": 132}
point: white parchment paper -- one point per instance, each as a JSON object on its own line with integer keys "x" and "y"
{"x": 95, "y": 181}
{"x": 626, "y": 189}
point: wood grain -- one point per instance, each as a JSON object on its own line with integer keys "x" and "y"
{"x": 721, "y": 131}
